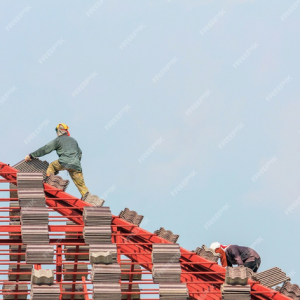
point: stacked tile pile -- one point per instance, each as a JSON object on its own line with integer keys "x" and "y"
{"x": 93, "y": 199}
{"x": 271, "y": 277}
{"x": 127, "y": 268}
{"x": 291, "y": 290}
{"x": 106, "y": 273}
{"x": 39, "y": 254}
{"x": 107, "y": 291}
{"x": 42, "y": 286}
{"x": 15, "y": 210}
{"x": 97, "y": 225}
{"x": 70, "y": 269}
{"x": 134, "y": 288}
{"x": 208, "y": 253}
{"x": 167, "y": 270}
{"x": 24, "y": 270}
{"x": 235, "y": 292}
{"x": 172, "y": 291}
{"x": 9, "y": 289}
{"x": 34, "y": 215}
{"x": 167, "y": 235}
{"x": 57, "y": 182}
{"x": 131, "y": 216}
{"x": 14, "y": 250}
{"x": 68, "y": 289}
{"x": 166, "y": 266}
{"x": 236, "y": 275}
{"x": 33, "y": 166}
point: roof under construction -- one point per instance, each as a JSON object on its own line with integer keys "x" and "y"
{"x": 56, "y": 246}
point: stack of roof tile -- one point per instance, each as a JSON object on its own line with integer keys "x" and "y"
{"x": 9, "y": 289}
{"x": 34, "y": 215}
{"x": 24, "y": 270}
{"x": 174, "y": 291}
{"x": 208, "y": 253}
{"x": 165, "y": 253}
{"x": 14, "y": 250}
{"x": 97, "y": 234}
{"x": 167, "y": 235}
{"x": 33, "y": 166}
{"x": 134, "y": 289}
{"x": 68, "y": 289}
{"x": 35, "y": 234}
{"x": 15, "y": 235}
{"x": 236, "y": 276}
{"x": 291, "y": 290}
{"x": 126, "y": 268}
{"x": 57, "y": 182}
{"x": 103, "y": 254}
{"x": 97, "y": 216}
{"x": 73, "y": 234}
{"x": 31, "y": 190}
{"x": 131, "y": 216}
{"x": 39, "y": 254}
{"x": 42, "y": 292}
{"x": 166, "y": 272}
{"x": 271, "y": 277}
{"x": 13, "y": 194}
{"x": 106, "y": 273}
{"x": 93, "y": 199}
{"x": 70, "y": 270}
{"x": 42, "y": 277}
{"x": 107, "y": 291}
{"x": 235, "y": 292}
{"x": 15, "y": 211}
{"x": 73, "y": 249}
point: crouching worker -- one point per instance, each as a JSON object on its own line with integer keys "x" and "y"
{"x": 69, "y": 155}
{"x": 237, "y": 255}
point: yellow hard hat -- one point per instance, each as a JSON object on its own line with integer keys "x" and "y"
{"x": 63, "y": 125}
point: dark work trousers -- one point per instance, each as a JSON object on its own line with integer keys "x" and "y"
{"x": 253, "y": 265}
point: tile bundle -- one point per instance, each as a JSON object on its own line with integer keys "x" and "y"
{"x": 103, "y": 254}
{"x": 167, "y": 235}
{"x": 34, "y": 216}
{"x": 165, "y": 253}
{"x": 57, "y": 181}
{"x": 208, "y": 253}
{"x": 106, "y": 273}
{"x": 25, "y": 271}
{"x": 93, "y": 199}
{"x": 127, "y": 268}
{"x": 33, "y": 166}
{"x": 131, "y": 216}
{"x": 42, "y": 277}
{"x": 134, "y": 288}
{"x": 97, "y": 216}
{"x": 35, "y": 234}
{"x": 39, "y": 254}
{"x": 9, "y": 289}
{"x": 271, "y": 277}
{"x": 15, "y": 235}
{"x": 291, "y": 290}
{"x": 42, "y": 292}
{"x": 176, "y": 291}
{"x": 67, "y": 288}
{"x": 97, "y": 234}
{"x": 72, "y": 249}
{"x": 15, "y": 212}
{"x": 70, "y": 268}
{"x": 107, "y": 291}
{"x": 236, "y": 275}
{"x": 13, "y": 194}
{"x": 166, "y": 272}
{"x": 14, "y": 250}
{"x": 235, "y": 292}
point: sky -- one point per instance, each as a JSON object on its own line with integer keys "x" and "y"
{"x": 186, "y": 111}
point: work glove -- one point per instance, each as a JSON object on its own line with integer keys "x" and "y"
{"x": 27, "y": 158}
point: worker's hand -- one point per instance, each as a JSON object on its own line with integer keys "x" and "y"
{"x": 27, "y": 158}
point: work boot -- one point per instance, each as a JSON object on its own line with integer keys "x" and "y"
{"x": 83, "y": 198}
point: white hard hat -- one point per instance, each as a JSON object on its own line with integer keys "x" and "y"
{"x": 215, "y": 245}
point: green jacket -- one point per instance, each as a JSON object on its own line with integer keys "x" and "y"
{"x": 67, "y": 150}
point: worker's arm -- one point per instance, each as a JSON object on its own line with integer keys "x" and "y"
{"x": 45, "y": 149}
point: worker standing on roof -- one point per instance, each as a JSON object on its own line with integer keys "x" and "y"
{"x": 69, "y": 155}
{"x": 237, "y": 255}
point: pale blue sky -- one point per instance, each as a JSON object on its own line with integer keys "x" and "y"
{"x": 166, "y": 30}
